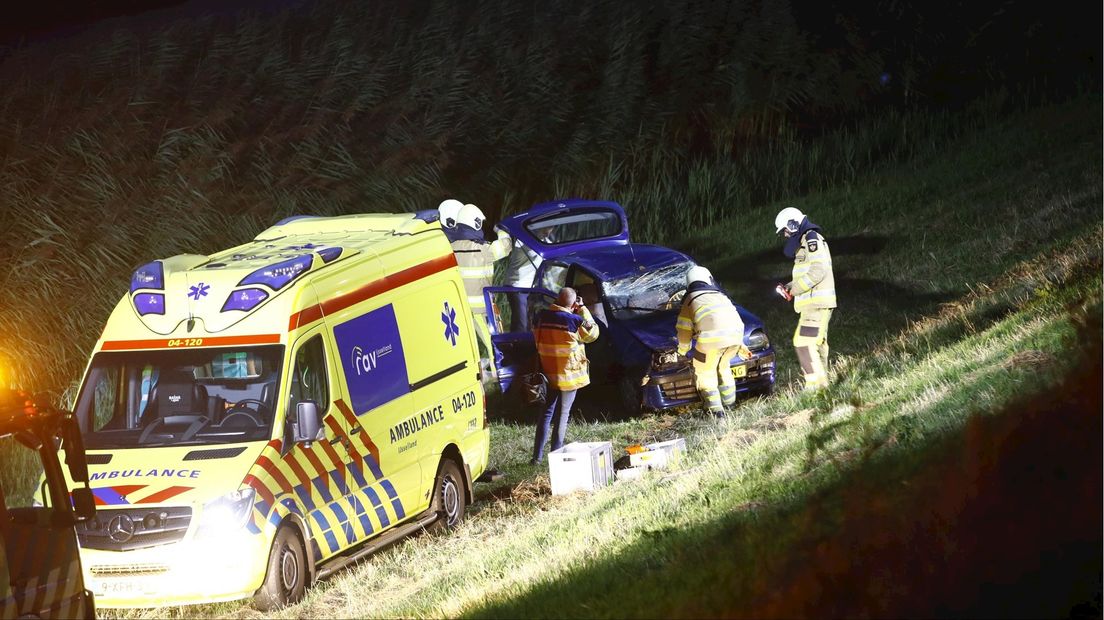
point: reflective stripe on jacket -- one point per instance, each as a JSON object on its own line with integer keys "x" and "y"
{"x": 813, "y": 285}
{"x": 560, "y": 335}
{"x": 708, "y": 316}
{"x": 476, "y": 261}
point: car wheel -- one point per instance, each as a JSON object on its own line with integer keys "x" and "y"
{"x": 631, "y": 394}
{"x": 286, "y": 579}
{"x": 448, "y": 497}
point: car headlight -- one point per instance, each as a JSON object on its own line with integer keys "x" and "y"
{"x": 758, "y": 340}
{"x": 665, "y": 358}
{"x": 226, "y": 514}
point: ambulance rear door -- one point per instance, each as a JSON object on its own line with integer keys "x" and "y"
{"x": 444, "y": 378}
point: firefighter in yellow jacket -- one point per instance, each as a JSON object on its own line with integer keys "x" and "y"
{"x": 476, "y": 258}
{"x": 560, "y": 333}
{"x": 812, "y": 291}
{"x": 710, "y": 322}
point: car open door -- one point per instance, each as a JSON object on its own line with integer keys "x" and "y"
{"x": 554, "y": 228}
{"x": 511, "y": 311}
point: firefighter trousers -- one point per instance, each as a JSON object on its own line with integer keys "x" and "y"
{"x": 811, "y": 343}
{"x": 486, "y": 349}
{"x": 713, "y": 377}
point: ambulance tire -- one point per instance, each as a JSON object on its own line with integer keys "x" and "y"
{"x": 448, "y": 497}
{"x": 286, "y": 579}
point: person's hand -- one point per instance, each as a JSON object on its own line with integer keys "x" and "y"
{"x": 744, "y": 352}
{"x": 783, "y": 291}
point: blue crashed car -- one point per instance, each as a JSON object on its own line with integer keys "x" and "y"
{"x": 633, "y": 290}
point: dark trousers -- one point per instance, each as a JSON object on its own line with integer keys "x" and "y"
{"x": 559, "y": 403}
{"x": 519, "y": 312}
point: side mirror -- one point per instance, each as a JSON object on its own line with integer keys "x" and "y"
{"x": 84, "y": 504}
{"x": 308, "y": 422}
{"x": 74, "y": 450}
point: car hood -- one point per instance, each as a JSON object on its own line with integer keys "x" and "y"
{"x": 657, "y": 331}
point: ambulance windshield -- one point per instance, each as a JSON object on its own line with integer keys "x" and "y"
{"x": 179, "y": 397}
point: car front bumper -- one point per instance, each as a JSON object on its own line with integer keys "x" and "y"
{"x": 664, "y": 389}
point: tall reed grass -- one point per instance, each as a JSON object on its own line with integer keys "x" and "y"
{"x": 123, "y": 144}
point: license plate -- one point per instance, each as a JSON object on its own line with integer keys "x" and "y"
{"x": 104, "y": 587}
{"x": 740, "y": 371}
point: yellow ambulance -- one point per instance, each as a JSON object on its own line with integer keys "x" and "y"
{"x": 258, "y": 418}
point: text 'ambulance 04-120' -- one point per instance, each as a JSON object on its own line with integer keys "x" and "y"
{"x": 257, "y": 418}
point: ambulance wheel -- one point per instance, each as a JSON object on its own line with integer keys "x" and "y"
{"x": 286, "y": 579}
{"x": 448, "y": 497}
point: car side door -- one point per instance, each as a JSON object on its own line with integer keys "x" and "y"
{"x": 38, "y": 545}
{"x": 511, "y": 315}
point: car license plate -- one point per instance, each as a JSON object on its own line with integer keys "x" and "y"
{"x": 740, "y": 371}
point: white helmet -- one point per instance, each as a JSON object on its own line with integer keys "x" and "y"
{"x": 697, "y": 273}
{"x": 472, "y": 216}
{"x": 447, "y": 212}
{"x": 788, "y": 219}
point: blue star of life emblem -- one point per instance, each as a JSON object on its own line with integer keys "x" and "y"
{"x": 198, "y": 290}
{"x": 452, "y": 330}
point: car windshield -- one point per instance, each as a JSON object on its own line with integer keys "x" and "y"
{"x": 179, "y": 397}
{"x": 656, "y": 290}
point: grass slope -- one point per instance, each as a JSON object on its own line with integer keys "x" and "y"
{"x": 951, "y": 469}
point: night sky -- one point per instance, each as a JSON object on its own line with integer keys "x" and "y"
{"x": 58, "y": 18}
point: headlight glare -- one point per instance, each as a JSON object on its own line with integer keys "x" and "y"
{"x": 226, "y": 514}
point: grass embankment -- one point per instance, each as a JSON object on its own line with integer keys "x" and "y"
{"x": 951, "y": 469}
{"x": 945, "y": 475}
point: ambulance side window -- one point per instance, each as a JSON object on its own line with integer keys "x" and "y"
{"x": 309, "y": 380}
{"x": 106, "y": 401}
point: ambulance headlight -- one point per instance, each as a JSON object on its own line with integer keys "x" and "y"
{"x": 244, "y": 299}
{"x": 150, "y": 275}
{"x": 226, "y": 514}
{"x": 276, "y": 276}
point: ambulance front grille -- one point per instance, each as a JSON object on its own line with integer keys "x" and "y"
{"x": 126, "y": 529}
{"x": 128, "y": 570}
